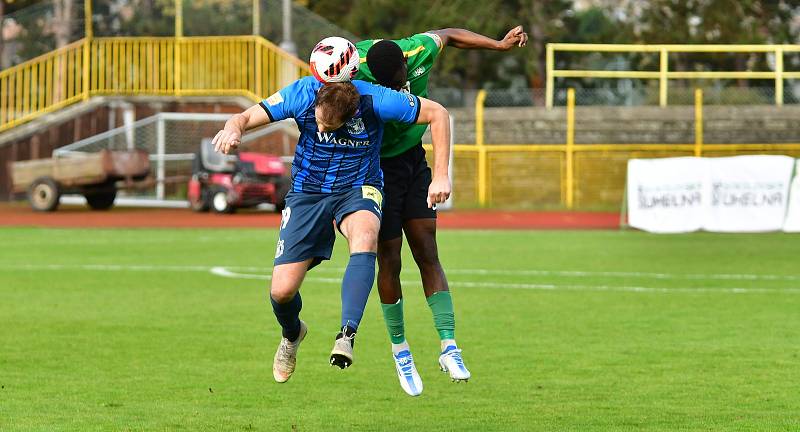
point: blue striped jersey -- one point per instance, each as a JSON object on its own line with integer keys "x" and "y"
{"x": 330, "y": 162}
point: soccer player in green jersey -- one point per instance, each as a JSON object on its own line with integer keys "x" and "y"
{"x": 405, "y": 64}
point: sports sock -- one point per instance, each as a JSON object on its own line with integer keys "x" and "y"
{"x": 288, "y": 315}
{"x": 393, "y": 316}
{"x": 397, "y": 348}
{"x": 356, "y": 285}
{"x": 448, "y": 343}
{"x": 444, "y": 320}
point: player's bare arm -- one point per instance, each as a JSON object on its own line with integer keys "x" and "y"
{"x": 465, "y": 39}
{"x": 433, "y": 113}
{"x": 230, "y": 136}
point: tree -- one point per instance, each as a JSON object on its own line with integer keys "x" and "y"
{"x": 716, "y": 22}
{"x": 62, "y": 25}
{"x": 401, "y": 18}
{"x": 2, "y": 39}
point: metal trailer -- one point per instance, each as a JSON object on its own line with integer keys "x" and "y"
{"x": 96, "y": 176}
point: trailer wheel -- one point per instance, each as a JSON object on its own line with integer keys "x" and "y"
{"x": 44, "y": 194}
{"x": 219, "y": 201}
{"x": 102, "y": 200}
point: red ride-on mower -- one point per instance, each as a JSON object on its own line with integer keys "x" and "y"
{"x": 224, "y": 183}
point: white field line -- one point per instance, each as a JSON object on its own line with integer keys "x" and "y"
{"x": 225, "y": 272}
{"x": 486, "y": 272}
{"x": 241, "y": 272}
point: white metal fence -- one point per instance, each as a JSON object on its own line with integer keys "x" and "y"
{"x": 172, "y": 140}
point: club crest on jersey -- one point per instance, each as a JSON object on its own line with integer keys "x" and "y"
{"x": 355, "y": 126}
{"x": 275, "y": 99}
{"x": 418, "y": 71}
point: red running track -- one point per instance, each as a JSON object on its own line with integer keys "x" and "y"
{"x": 17, "y": 214}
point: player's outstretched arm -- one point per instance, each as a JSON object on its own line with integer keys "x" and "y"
{"x": 465, "y": 39}
{"x": 231, "y": 135}
{"x": 432, "y": 113}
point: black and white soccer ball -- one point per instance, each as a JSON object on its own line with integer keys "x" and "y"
{"x": 334, "y": 59}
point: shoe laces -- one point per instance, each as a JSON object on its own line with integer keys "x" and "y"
{"x": 348, "y": 338}
{"x": 284, "y": 351}
{"x": 455, "y": 354}
{"x": 405, "y": 361}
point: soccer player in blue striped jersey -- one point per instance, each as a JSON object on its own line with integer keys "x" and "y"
{"x": 336, "y": 177}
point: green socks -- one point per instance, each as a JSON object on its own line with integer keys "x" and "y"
{"x": 441, "y": 305}
{"x": 444, "y": 320}
{"x": 393, "y": 315}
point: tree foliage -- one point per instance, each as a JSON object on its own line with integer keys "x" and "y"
{"x": 631, "y": 21}
{"x": 587, "y": 21}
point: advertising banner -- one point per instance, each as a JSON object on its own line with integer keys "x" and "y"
{"x": 731, "y": 194}
{"x": 667, "y": 195}
{"x": 792, "y": 223}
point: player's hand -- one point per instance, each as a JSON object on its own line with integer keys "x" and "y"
{"x": 227, "y": 140}
{"x": 515, "y": 37}
{"x": 438, "y": 191}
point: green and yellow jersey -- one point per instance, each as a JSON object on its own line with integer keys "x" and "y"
{"x": 420, "y": 51}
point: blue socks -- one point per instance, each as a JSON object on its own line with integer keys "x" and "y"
{"x": 288, "y": 315}
{"x": 356, "y": 285}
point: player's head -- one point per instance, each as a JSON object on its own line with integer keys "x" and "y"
{"x": 388, "y": 64}
{"x": 336, "y": 103}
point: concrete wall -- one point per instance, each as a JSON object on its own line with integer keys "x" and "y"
{"x": 633, "y": 125}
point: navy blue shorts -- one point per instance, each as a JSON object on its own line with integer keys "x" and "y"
{"x": 307, "y": 229}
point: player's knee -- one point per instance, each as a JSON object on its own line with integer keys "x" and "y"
{"x": 361, "y": 229}
{"x": 389, "y": 255}
{"x": 426, "y": 256}
{"x": 389, "y": 262}
{"x": 364, "y": 239}
{"x": 281, "y": 293}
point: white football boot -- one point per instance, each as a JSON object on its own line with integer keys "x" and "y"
{"x": 407, "y": 373}
{"x": 342, "y": 353}
{"x": 451, "y": 362}
{"x": 286, "y": 356}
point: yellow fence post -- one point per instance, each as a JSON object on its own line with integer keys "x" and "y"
{"x": 483, "y": 178}
{"x": 258, "y": 87}
{"x": 663, "y": 82}
{"x": 87, "y": 44}
{"x": 779, "y": 76}
{"x": 178, "y": 45}
{"x": 550, "y": 60}
{"x": 256, "y": 17}
{"x": 178, "y": 18}
{"x": 698, "y": 122}
{"x": 570, "y": 148}
{"x": 479, "y": 102}
{"x": 257, "y": 47}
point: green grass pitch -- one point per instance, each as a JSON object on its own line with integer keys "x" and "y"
{"x": 130, "y": 330}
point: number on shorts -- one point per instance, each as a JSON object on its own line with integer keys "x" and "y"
{"x": 286, "y": 214}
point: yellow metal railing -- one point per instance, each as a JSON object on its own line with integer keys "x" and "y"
{"x": 663, "y": 75}
{"x": 569, "y": 175}
{"x": 483, "y": 169}
{"x": 247, "y": 66}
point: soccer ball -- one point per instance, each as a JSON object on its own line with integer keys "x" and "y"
{"x": 334, "y": 59}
